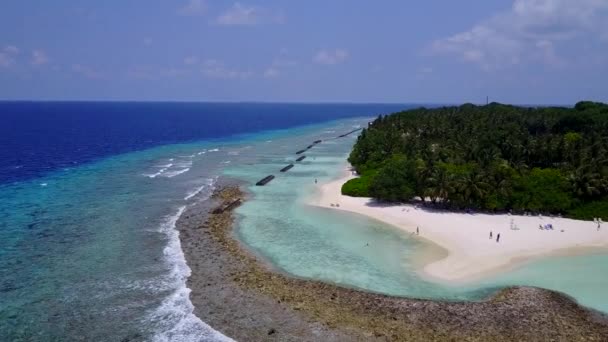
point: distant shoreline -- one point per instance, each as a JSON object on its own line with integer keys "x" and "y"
{"x": 246, "y": 299}
{"x": 471, "y": 254}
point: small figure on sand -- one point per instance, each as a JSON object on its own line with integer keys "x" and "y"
{"x": 498, "y": 237}
{"x": 315, "y": 181}
{"x": 417, "y": 231}
{"x": 490, "y": 235}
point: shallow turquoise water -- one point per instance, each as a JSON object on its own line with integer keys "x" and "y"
{"x": 583, "y": 277}
{"x": 354, "y": 251}
{"x": 91, "y": 252}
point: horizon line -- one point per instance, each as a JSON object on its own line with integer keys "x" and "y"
{"x": 291, "y": 102}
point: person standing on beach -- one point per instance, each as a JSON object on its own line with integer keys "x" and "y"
{"x": 498, "y": 237}
{"x": 490, "y": 235}
{"x": 417, "y": 231}
{"x": 315, "y": 181}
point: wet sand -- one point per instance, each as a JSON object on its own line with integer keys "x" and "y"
{"x": 239, "y": 294}
{"x": 471, "y": 253}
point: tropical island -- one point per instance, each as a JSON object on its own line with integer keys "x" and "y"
{"x": 491, "y": 158}
{"x": 493, "y": 186}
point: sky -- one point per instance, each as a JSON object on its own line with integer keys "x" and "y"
{"x": 416, "y": 51}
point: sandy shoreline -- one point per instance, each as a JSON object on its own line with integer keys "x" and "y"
{"x": 238, "y": 293}
{"x": 471, "y": 254}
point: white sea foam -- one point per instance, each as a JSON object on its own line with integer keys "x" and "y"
{"x": 233, "y": 153}
{"x": 210, "y": 185}
{"x": 174, "y": 319}
{"x": 214, "y": 150}
{"x": 172, "y": 174}
{"x": 43, "y": 184}
{"x": 201, "y": 153}
{"x": 226, "y": 162}
{"x": 160, "y": 172}
{"x": 165, "y": 166}
{"x": 195, "y": 192}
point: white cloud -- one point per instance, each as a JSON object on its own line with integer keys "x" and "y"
{"x": 330, "y": 57}
{"x": 146, "y": 72}
{"x": 11, "y": 49}
{"x": 240, "y": 14}
{"x": 284, "y": 63}
{"x": 39, "y": 58}
{"x": 216, "y": 69}
{"x": 271, "y": 72}
{"x": 425, "y": 70}
{"x": 191, "y": 60}
{"x": 8, "y": 56}
{"x": 193, "y": 8}
{"x": 87, "y": 72}
{"x": 279, "y": 64}
{"x": 5, "y": 60}
{"x": 530, "y": 32}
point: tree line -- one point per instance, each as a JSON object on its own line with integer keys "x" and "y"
{"x": 494, "y": 158}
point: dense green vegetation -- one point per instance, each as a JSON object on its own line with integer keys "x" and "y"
{"x": 495, "y": 157}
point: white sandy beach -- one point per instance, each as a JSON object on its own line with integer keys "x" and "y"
{"x": 471, "y": 253}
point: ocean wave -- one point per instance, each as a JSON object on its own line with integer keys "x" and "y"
{"x": 214, "y": 150}
{"x": 160, "y": 172}
{"x": 174, "y": 319}
{"x": 210, "y": 184}
{"x": 226, "y": 162}
{"x": 233, "y": 153}
{"x": 201, "y": 153}
{"x": 183, "y": 164}
{"x": 172, "y": 174}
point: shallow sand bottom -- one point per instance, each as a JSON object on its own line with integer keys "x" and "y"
{"x": 471, "y": 253}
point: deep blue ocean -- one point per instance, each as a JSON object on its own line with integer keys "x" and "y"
{"x": 39, "y": 137}
{"x": 89, "y": 196}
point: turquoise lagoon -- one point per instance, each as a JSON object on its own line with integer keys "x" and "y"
{"x": 355, "y": 251}
{"x": 92, "y": 251}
